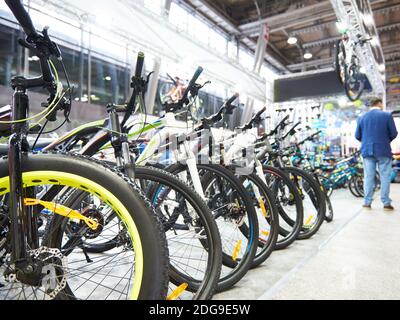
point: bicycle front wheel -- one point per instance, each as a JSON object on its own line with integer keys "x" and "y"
{"x": 193, "y": 238}
{"x": 136, "y": 268}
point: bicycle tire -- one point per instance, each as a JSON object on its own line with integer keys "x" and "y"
{"x": 272, "y": 218}
{"x": 205, "y": 288}
{"x": 79, "y": 171}
{"x": 281, "y": 177}
{"x": 241, "y": 266}
{"x": 317, "y": 198}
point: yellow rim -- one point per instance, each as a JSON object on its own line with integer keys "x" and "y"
{"x": 37, "y": 178}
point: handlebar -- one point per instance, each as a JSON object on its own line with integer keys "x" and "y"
{"x": 192, "y": 82}
{"x": 192, "y": 88}
{"x": 232, "y": 99}
{"x": 227, "y": 106}
{"x": 40, "y": 44}
{"x": 309, "y": 138}
{"x": 255, "y": 120}
{"x": 259, "y": 113}
{"x": 292, "y": 131}
{"x": 281, "y": 125}
{"x": 22, "y": 17}
{"x": 138, "y": 85}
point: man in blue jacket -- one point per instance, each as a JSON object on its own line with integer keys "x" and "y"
{"x": 376, "y": 130}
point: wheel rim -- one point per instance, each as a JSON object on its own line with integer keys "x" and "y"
{"x": 51, "y": 178}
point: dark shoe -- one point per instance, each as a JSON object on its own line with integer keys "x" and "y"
{"x": 388, "y": 208}
{"x": 367, "y": 206}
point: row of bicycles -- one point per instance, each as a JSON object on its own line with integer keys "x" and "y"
{"x": 335, "y": 173}
{"x": 96, "y": 214}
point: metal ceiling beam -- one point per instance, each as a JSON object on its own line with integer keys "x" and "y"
{"x": 392, "y": 47}
{"x": 393, "y": 62}
{"x": 334, "y": 39}
{"x": 313, "y": 18}
{"x": 205, "y": 8}
{"x": 218, "y": 18}
{"x": 308, "y": 64}
{"x": 289, "y": 15}
{"x": 322, "y": 42}
{"x": 291, "y": 18}
{"x": 325, "y": 61}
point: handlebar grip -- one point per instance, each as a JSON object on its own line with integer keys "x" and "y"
{"x": 196, "y": 75}
{"x": 139, "y": 65}
{"x": 285, "y": 119}
{"x": 232, "y": 99}
{"x": 317, "y": 133}
{"x": 22, "y": 16}
{"x": 296, "y": 125}
{"x": 260, "y": 112}
{"x": 192, "y": 82}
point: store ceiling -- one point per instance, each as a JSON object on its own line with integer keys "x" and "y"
{"x": 312, "y": 22}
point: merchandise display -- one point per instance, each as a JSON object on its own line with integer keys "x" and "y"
{"x": 119, "y": 181}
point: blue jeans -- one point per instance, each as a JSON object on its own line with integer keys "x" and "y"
{"x": 385, "y": 170}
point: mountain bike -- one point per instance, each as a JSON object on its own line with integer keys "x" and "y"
{"x": 348, "y": 67}
{"x": 37, "y": 267}
{"x": 310, "y": 191}
{"x": 192, "y": 234}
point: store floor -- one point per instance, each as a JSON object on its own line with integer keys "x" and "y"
{"x": 355, "y": 257}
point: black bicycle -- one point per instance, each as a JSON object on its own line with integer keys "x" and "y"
{"x": 33, "y": 185}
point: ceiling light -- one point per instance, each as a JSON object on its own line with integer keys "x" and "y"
{"x": 308, "y": 55}
{"x": 34, "y": 58}
{"x": 375, "y": 41}
{"x": 342, "y": 26}
{"x": 108, "y": 78}
{"x": 368, "y": 19}
{"x": 292, "y": 40}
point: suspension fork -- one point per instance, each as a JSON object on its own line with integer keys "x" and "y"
{"x": 120, "y": 143}
{"x": 194, "y": 172}
{"x": 22, "y": 225}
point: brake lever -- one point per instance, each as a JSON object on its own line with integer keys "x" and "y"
{"x": 53, "y": 47}
{"x": 148, "y": 79}
{"x": 194, "y": 90}
{"x": 206, "y": 83}
{"x": 28, "y": 45}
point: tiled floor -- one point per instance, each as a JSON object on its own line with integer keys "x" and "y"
{"x": 355, "y": 257}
